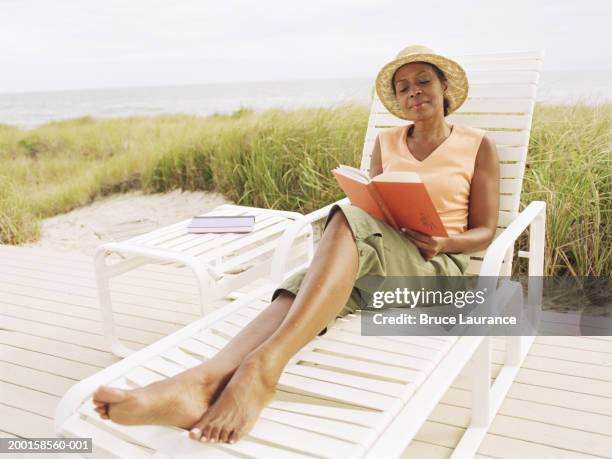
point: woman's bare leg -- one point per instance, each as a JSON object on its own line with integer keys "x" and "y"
{"x": 324, "y": 291}
{"x": 181, "y": 400}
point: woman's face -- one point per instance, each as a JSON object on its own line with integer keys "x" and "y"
{"x": 419, "y": 91}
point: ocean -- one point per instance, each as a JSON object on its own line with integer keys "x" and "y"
{"x": 28, "y": 110}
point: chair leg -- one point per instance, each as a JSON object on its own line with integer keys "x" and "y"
{"x": 480, "y": 369}
{"x": 481, "y": 384}
{"x": 104, "y": 296}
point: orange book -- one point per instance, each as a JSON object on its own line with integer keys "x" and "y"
{"x": 399, "y": 199}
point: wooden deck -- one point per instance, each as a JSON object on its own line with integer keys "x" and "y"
{"x": 51, "y": 337}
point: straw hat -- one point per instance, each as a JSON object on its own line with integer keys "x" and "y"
{"x": 456, "y": 92}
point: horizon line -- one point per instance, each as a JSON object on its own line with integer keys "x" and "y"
{"x": 225, "y": 82}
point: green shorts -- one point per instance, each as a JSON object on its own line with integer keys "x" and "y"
{"x": 383, "y": 251}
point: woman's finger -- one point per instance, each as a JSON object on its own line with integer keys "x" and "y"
{"x": 420, "y": 243}
{"x": 420, "y": 236}
{"x": 416, "y": 242}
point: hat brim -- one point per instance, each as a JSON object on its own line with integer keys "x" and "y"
{"x": 456, "y": 91}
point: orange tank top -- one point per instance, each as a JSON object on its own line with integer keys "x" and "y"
{"x": 447, "y": 171}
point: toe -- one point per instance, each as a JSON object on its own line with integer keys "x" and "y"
{"x": 195, "y": 433}
{"x": 206, "y": 432}
{"x": 224, "y": 434}
{"x": 106, "y": 394}
{"x": 214, "y": 434}
{"x": 233, "y": 437}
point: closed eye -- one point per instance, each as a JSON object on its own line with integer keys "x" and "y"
{"x": 420, "y": 82}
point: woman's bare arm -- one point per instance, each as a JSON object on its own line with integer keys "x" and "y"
{"x": 484, "y": 203}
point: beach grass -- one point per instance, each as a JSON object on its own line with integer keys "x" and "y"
{"x": 282, "y": 159}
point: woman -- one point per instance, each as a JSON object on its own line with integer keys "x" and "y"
{"x": 221, "y": 399}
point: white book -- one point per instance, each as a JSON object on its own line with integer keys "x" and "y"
{"x": 221, "y": 224}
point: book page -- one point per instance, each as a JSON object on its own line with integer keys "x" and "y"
{"x": 353, "y": 172}
{"x": 398, "y": 177}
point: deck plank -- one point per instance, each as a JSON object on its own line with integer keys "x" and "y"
{"x": 27, "y": 399}
{"x": 538, "y": 410}
{"x": 36, "y": 306}
{"x": 67, "y": 351}
{"x": 25, "y": 424}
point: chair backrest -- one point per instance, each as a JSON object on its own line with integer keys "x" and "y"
{"x": 501, "y": 100}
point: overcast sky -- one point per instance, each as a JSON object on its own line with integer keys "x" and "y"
{"x": 71, "y": 44}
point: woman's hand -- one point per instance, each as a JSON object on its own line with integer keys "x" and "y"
{"x": 429, "y": 246}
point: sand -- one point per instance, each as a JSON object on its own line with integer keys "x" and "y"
{"x": 120, "y": 217}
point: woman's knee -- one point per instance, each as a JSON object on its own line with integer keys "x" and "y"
{"x": 338, "y": 220}
{"x": 283, "y": 300}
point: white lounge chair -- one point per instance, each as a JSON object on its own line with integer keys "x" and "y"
{"x": 370, "y": 395}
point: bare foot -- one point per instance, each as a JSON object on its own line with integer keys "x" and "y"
{"x": 177, "y": 401}
{"x": 235, "y": 411}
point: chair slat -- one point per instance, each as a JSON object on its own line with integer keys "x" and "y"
{"x": 444, "y": 342}
{"x": 251, "y": 448}
{"x": 352, "y": 324}
{"x": 337, "y": 392}
{"x": 505, "y": 91}
{"x": 512, "y": 170}
{"x": 163, "y": 366}
{"x": 341, "y": 430}
{"x": 181, "y": 358}
{"x": 503, "y": 76}
{"x": 513, "y": 154}
{"x": 491, "y": 121}
{"x": 375, "y": 342}
{"x": 510, "y": 186}
{"x": 141, "y": 376}
{"x": 374, "y": 385}
{"x": 505, "y": 218}
{"x": 474, "y": 266}
{"x": 497, "y": 104}
{"x": 362, "y": 367}
{"x": 509, "y": 203}
{"x": 211, "y": 339}
{"x": 303, "y": 440}
{"x": 203, "y": 350}
{"x": 354, "y": 415}
{"x": 376, "y": 355}
{"x": 226, "y": 328}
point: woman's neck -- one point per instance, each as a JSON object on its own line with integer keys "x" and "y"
{"x": 429, "y": 130}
